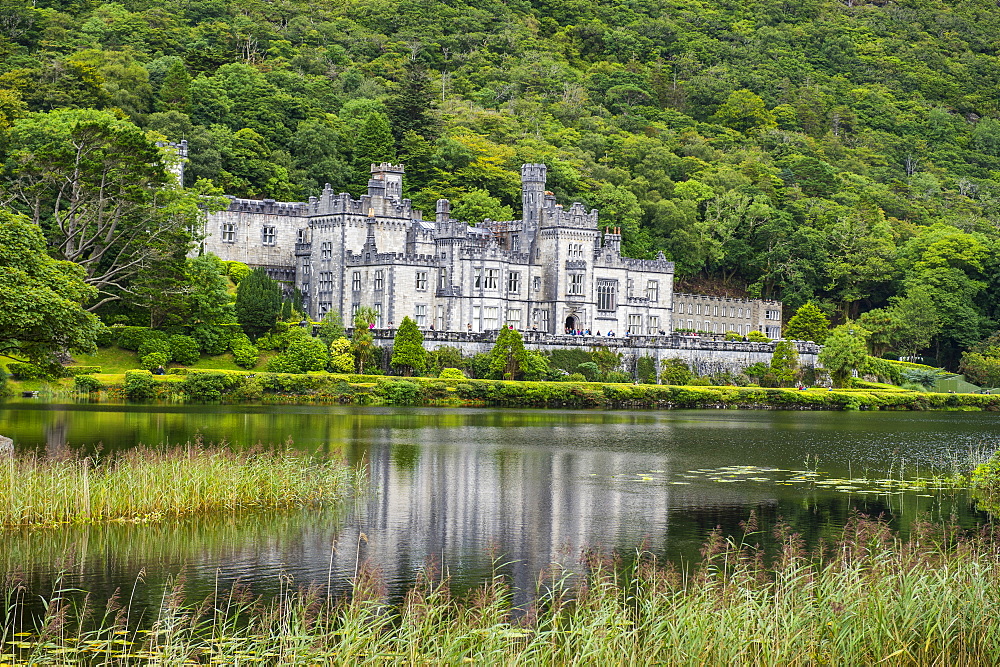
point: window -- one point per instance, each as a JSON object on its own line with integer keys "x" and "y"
{"x": 543, "y": 319}
{"x": 536, "y": 283}
{"x": 326, "y": 281}
{"x": 267, "y": 235}
{"x": 440, "y": 318}
{"x": 653, "y": 290}
{"x": 513, "y": 281}
{"x": 697, "y": 309}
{"x": 576, "y": 250}
{"x": 653, "y": 324}
{"x": 477, "y": 278}
{"x": 515, "y": 243}
{"x": 492, "y": 278}
{"x": 379, "y": 280}
{"x": 514, "y": 317}
{"x": 421, "y": 280}
{"x": 420, "y": 314}
{"x": 691, "y": 325}
{"x": 378, "y": 315}
{"x": 490, "y": 314}
{"x": 690, "y": 309}
{"x": 771, "y": 315}
{"x": 326, "y": 250}
{"x": 228, "y": 232}
{"x": 575, "y": 283}
{"x": 356, "y": 281}
{"x": 442, "y": 278}
{"x": 634, "y": 325}
{"x": 607, "y": 294}
{"x": 717, "y": 311}
{"x": 476, "y": 316}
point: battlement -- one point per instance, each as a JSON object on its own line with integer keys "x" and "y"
{"x": 267, "y": 207}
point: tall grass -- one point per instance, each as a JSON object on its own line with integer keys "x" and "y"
{"x": 144, "y": 484}
{"x": 871, "y": 597}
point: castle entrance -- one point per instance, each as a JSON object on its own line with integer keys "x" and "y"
{"x": 572, "y": 323}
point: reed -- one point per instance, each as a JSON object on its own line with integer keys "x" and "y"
{"x": 871, "y": 597}
{"x": 149, "y": 484}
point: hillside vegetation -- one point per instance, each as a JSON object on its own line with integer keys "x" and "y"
{"x": 846, "y": 153}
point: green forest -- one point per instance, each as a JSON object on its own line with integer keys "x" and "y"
{"x": 842, "y": 153}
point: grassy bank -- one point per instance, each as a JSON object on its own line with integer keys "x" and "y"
{"x": 146, "y": 484}
{"x": 241, "y": 386}
{"x": 870, "y": 598}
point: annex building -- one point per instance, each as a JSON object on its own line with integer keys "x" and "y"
{"x": 553, "y": 271}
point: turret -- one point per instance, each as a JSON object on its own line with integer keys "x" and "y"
{"x": 532, "y": 193}
{"x": 390, "y": 180}
{"x": 443, "y": 212}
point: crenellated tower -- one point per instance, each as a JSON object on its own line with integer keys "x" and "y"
{"x": 532, "y": 194}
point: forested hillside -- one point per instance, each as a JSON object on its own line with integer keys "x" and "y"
{"x": 846, "y": 153}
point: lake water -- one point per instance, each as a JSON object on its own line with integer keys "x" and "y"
{"x": 464, "y": 488}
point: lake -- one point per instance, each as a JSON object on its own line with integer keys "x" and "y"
{"x": 467, "y": 490}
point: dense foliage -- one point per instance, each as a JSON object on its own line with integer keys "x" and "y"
{"x": 844, "y": 153}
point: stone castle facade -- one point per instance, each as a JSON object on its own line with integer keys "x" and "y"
{"x": 553, "y": 271}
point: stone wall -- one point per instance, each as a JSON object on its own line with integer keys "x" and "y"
{"x": 705, "y": 355}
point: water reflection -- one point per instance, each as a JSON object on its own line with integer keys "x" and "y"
{"x": 460, "y": 487}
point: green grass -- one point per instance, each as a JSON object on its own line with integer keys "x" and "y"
{"x": 110, "y": 359}
{"x": 871, "y": 598}
{"x": 146, "y": 484}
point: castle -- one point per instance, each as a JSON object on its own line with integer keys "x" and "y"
{"x": 553, "y": 271}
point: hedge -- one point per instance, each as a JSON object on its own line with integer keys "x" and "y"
{"x": 81, "y": 370}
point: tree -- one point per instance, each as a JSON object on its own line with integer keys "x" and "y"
{"x": 906, "y": 326}
{"x": 844, "y": 351}
{"x": 41, "y": 299}
{"x": 808, "y": 323}
{"x": 785, "y": 363}
{"x": 408, "y": 353}
{"x": 341, "y": 356}
{"x": 208, "y": 299}
{"x": 744, "y": 110}
{"x": 412, "y": 102}
{"x": 258, "y": 303}
{"x": 100, "y": 190}
{"x": 362, "y": 340}
{"x": 331, "y": 327}
{"x": 508, "y": 356}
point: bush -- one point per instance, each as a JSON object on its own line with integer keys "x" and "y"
{"x": 304, "y": 354}
{"x": 645, "y": 370}
{"x": 207, "y": 386}
{"x": 184, "y": 350}
{"x": 675, "y": 371}
{"x": 129, "y": 338}
{"x": 22, "y": 371}
{"x": 451, "y": 374}
{"x": 153, "y": 344}
{"x": 399, "y": 392}
{"x": 87, "y": 384}
{"x": 4, "y": 389}
{"x": 732, "y": 335}
{"x": 237, "y": 271}
{"x": 246, "y": 355}
{"x": 341, "y": 356}
{"x": 80, "y": 370}
{"x": 576, "y": 377}
{"x": 154, "y": 360}
{"x": 105, "y": 335}
{"x": 213, "y": 339}
{"x": 139, "y": 385}
{"x": 618, "y": 377}
{"x": 757, "y": 337}
{"x": 589, "y": 370}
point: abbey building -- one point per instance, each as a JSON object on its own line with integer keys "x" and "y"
{"x": 555, "y": 270}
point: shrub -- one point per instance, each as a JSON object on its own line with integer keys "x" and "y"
{"x": 675, "y": 371}
{"x": 617, "y": 377}
{"x": 757, "y": 337}
{"x": 129, "y": 338}
{"x": 159, "y": 344}
{"x": 105, "y": 335}
{"x": 87, "y": 384}
{"x": 246, "y": 355}
{"x": 645, "y": 370}
{"x": 341, "y": 356}
{"x": 4, "y": 389}
{"x": 81, "y": 370}
{"x": 732, "y": 335}
{"x": 576, "y": 377}
{"x": 304, "y": 354}
{"x": 207, "y": 386}
{"x": 23, "y": 371}
{"x": 237, "y": 271}
{"x": 154, "y": 360}
{"x": 589, "y": 370}
{"x": 184, "y": 350}
{"x": 399, "y": 392}
{"x": 139, "y": 385}
{"x": 451, "y": 374}
{"x": 213, "y": 339}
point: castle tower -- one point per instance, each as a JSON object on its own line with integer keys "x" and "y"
{"x": 532, "y": 194}
{"x": 389, "y": 178}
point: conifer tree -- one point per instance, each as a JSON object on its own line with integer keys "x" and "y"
{"x": 411, "y": 104}
{"x": 258, "y": 303}
{"x": 408, "y": 353}
{"x": 508, "y": 356}
{"x": 808, "y": 323}
{"x": 362, "y": 339}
